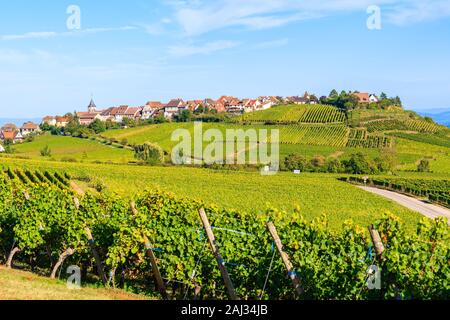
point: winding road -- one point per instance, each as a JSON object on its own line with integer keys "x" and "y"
{"x": 426, "y": 209}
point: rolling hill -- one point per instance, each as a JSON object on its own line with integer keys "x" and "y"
{"x": 72, "y": 150}
{"x": 365, "y": 131}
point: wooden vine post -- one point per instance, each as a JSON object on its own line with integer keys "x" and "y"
{"x": 98, "y": 261}
{"x": 217, "y": 255}
{"x": 94, "y": 251}
{"x": 284, "y": 256}
{"x": 149, "y": 251}
{"x": 156, "y": 272}
{"x": 377, "y": 243}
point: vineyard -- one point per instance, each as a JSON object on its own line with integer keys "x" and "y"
{"x": 395, "y": 124}
{"x": 293, "y": 114}
{"x": 47, "y": 226}
{"x": 318, "y": 135}
{"x": 322, "y": 114}
{"x": 434, "y": 139}
{"x": 27, "y": 177}
{"x": 360, "y": 138}
{"x": 394, "y": 116}
{"x": 314, "y": 134}
{"x": 437, "y": 191}
{"x": 422, "y": 126}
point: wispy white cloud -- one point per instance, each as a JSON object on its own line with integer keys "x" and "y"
{"x": 205, "y": 49}
{"x": 51, "y": 34}
{"x": 197, "y": 17}
{"x": 418, "y": 11}
{"x": 273, "y": 44}
{"x": 29, "y": 35}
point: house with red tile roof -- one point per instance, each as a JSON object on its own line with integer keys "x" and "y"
{"x": 251, "y": 105}
{"x": 14, "y": 136}
{"x": 174, "y": 107}
{"x": 133, "y": 113}
{"x": 154, "y": 104}
{"x": 29, "y": 128}
{"x": 193, "y": 105}
{"x": 86, "y": 118}
{"x": 115, "y": 113}
{"x": 49, "y": 120}
{"x": 9, "y": 127}
{"x": 216, "y": 105}
{"x": 363, "y": 97}
{"x": 61, "y": 122}
{"x": 150, "y": 109}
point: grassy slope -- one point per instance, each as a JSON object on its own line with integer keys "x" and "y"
{"x": 411, "y": 152}
{"x": 315, "y": 194}
{"x": 19, "y": 285}
{"x": 79, "y": 149}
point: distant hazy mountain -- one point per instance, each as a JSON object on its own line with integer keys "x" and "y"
{"x": 18, "y": 122}
{"x": 441, "y": 116}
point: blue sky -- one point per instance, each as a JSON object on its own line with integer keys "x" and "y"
{"x": 129, "y": 52}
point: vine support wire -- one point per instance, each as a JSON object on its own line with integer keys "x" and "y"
{"x": 196, "y": 266}
{"x": 268, "y": 274}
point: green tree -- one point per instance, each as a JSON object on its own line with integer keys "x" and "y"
{"x": 150, "y": 153}
{"x": 73, "y": 126}
{"x": 45, "y": 126}
{"x": 46, "y": 151}
{"x": 97, "y": 126}
{"x": 358, "y": 164}
{"x": 127, "y": 122}
{"x": 333, "y": 94}
{"x": 184, "y": 116}
{"x": 8, "y": 144}
{"x": 295, "y": 162}
{"x": 160, "y": 119}
{"x": 334, "y": 166}
{"x": 424, "y": 166}
{"x": 387, "y": 161}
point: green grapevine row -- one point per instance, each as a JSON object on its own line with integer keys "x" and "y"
{"x": 28, "y": 177}
{"x": 422, "y": 126}
{"x": 407, "y": 125}
{"x": 43, "y": 221}
{"x": 314, "y": 135}
{"x": 322, "y": 114}
{"x": 293, "y": 114}
{"x": 360, "y": 138}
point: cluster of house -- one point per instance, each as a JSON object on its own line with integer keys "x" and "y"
{"x": 10, "y": 132}
{"x": 153, "y": 109}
